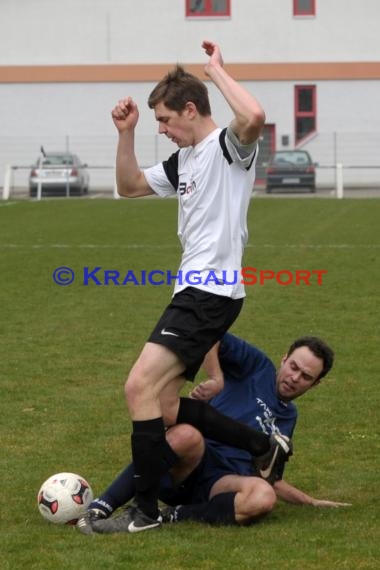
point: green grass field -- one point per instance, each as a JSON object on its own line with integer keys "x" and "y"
{"x": 65, "y": 352}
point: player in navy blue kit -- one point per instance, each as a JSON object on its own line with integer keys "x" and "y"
{"x": 214, "y": 483}
{"x": 212, "y": 175}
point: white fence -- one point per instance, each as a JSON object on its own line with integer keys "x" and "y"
{"x": 357, "y": 153}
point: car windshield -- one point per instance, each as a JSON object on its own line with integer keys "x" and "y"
{"x": 291, "y": 157}
{"x": 57, "y": 160}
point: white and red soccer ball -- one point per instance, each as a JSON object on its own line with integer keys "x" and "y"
{"x": 64, "y": 497}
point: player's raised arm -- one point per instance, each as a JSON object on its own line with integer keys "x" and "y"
{"x": 249, "y": 115}
{"x": 130, "y": 179}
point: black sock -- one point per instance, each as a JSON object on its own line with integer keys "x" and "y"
{"x": 120, "y": 491}
{"x": 214, "y": 425}
{"x": 123, "y": 489}
{"x": 219, "y": 510}
{"x": 148, "y": 440}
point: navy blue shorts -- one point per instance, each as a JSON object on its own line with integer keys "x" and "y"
{"x": 196, "y": 488}
{"x": 192, "y": 323}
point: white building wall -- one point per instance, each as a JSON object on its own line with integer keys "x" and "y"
{"x": 85, "y": 109}
{"x": 78, "y": 115}
{"x": 34, "y": 32}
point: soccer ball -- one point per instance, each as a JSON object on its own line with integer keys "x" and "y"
{"x": 64, "y": 497}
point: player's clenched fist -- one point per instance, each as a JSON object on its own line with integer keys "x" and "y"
{"x": 212, "y": 49}
{"x": 125, "y": 114}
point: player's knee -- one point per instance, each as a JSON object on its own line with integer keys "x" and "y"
{"x": 262, "y": 499}
{"x": 138, "y": 387}
{"x": 267, "y": 498}
{"x": 254, "y": 503}
{"x": 185, "y": 440}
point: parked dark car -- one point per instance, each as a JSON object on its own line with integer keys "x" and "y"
{"x": 290, "y": 169}
{"x": 59, "y": 173}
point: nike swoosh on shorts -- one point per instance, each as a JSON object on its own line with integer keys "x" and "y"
{"x": 164, "y": 332}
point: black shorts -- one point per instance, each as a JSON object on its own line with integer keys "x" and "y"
{"x": 197, "y": 487}
{"x": 192, "y": 323}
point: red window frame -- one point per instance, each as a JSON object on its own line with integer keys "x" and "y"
{"x": 208, "y": 11}
{"x": 297, "y": 10}
{"x": 299, "y": 114}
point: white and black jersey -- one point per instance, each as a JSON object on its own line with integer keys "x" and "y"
{"x": 214, "y": 182}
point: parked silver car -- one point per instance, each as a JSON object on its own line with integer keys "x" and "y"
{"x": 60, "y": 174}
{"x": 290, "y": 169}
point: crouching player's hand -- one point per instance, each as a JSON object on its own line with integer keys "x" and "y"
{"x": 207, "y": 389}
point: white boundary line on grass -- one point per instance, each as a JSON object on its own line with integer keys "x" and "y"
{"x": 173, "y": 246}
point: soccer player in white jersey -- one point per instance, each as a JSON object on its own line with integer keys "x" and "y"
{"x": 212, "y": 174}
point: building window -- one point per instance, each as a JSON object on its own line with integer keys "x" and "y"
{"x": 305, "y": 111}
{"x": 214, "y": 8}
{"x": 304, "y": 7}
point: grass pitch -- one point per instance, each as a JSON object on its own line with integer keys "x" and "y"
{"x": 65, "y": 352}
